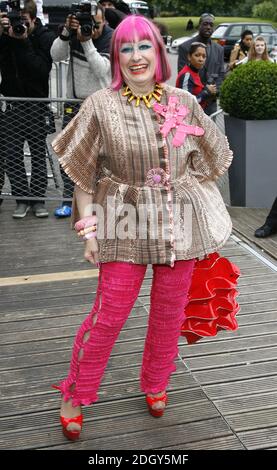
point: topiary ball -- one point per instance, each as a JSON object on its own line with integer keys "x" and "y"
{"x": 250, "y": 91}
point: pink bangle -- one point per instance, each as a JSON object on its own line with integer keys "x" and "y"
{"x": 90, "y": 235}
{"x": 87, "y": 227}
{"x": 84, "y": 231}
{"x": 86, "y": 222}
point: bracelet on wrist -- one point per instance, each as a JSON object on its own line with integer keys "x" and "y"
{"x": 90, "y": 235}
{"x": 87, "y": 227}
{"x": 87, "y": 230}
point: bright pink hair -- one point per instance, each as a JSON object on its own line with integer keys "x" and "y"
{"x": 137, "y": 28}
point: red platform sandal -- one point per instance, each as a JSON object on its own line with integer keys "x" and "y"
{"x": 150, "y": 402}
{"x": 71, "y": 435}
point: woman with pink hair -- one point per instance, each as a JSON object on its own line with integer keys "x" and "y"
{"x": 144, "y": 157}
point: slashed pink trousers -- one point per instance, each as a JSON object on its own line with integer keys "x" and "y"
{"x": 118, "y": 288}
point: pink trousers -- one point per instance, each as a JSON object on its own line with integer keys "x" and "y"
{"x": 118, "y": 288}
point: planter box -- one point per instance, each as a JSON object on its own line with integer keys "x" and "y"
{"x": 253, "y": 173}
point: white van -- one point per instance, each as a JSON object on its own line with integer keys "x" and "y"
{"x": 138, "y": 8}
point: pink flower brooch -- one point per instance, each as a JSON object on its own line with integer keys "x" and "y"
{"x": 174, "y": 115}
{"x": 155, "y": 177}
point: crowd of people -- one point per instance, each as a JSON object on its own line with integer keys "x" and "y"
{"x": 89, "y": 70}
{"x": 25, "y": 65}
{"x": 201, "y": 71}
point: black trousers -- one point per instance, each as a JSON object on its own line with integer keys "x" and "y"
{"x": 211, "y": 108}
{"x": 70, "y": 110}
{"x": 2, "y": 162}
{"x": 272, "y": 216}
{"x": 25, "y": 121}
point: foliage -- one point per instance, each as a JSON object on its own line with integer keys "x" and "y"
{"x": 250, "y": 91}
{"x": 197, "y": 7}
{"x": 245, "y": 8}
{"x": 266, "y": 10}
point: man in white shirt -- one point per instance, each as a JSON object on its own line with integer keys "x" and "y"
{"x": 89, "y": 71}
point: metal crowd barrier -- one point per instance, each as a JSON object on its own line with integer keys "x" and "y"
{"x": 29, "y": 169}
{"x": 223, "y": 181}
{"x": 57, "y": 81}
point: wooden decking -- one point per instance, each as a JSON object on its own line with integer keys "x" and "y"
{"x": 246, "y": 221}
{"x": 222, "y": 396}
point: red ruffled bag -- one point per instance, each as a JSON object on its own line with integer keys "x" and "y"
{"x": 212, "y": 296}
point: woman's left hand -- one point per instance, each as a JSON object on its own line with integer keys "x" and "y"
{"x": 91, "y": 253}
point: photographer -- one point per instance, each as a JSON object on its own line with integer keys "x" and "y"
{"x": 89, "y": 71}
{"x": 25, "y": 64}
{"x": 115, "y": 11}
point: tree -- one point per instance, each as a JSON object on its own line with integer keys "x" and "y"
{"x": 197, "y": 7}
{"x": 266, "y": 10}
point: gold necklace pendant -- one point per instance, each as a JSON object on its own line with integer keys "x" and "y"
{"x": 146, "y": 99}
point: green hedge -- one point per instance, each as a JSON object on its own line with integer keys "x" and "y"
{"x": 250, "y": 91}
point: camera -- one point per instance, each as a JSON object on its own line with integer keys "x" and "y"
{"x": 83, "y": 12}
{"x": 12, "y": 8}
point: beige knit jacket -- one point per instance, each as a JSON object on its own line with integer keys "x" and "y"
{"x": 109, "y": 150}
{"x": 237, "y": 54}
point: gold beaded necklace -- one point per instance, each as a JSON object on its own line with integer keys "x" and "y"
{"x": 146, "y": 99}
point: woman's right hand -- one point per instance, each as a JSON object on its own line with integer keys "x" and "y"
{"x": 91, "y": 253}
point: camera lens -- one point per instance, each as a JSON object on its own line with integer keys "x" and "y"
{"x": 86, "y": 30}
{"x": 19, "y": 29}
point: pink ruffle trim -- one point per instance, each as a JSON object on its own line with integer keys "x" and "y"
{"x": 212, "y": 299}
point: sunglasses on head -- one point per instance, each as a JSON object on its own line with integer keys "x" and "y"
{"x": 200, "y": 44}
{"x": 207, "y": 15}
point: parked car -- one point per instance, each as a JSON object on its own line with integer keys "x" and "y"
{"x": 138, "y": 7}
{"x": 227, "y": 34}
{"x": 273, "y": 54}
{"x": 271, "y": 41}
{"x": 178, "y": 41}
